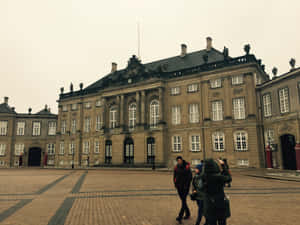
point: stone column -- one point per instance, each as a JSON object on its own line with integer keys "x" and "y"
{"x": 228, "y": 99}
{"x": 250, "y": 100}
{"x": 121, "y": 106}
{"x": 161, "y": 104}
{"x": 143, "y": 99}
{"x": 119, "y": 110}
{"x": 103, "y": 112}
{"x": 297, "y": 150}
{"x": 205, "y": 103}
{"x": 137, "y": 99}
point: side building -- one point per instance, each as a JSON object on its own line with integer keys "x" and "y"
{"x": 26, "y": 134}
{"x": 199, "y": 104}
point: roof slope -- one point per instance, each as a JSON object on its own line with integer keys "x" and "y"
{"x": 4, "y": 108}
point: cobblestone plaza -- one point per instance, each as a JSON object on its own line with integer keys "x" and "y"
{"x": 111, "y": 197}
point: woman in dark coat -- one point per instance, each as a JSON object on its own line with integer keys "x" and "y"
{"x": 214, "y": 200}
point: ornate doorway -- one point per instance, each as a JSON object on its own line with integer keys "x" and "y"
{"x": 288, "y": 151}
{"x": 34, "y": 156}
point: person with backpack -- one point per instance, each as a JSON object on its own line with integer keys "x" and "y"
{"x": 182, "y": 179}
{"x": 216, "y": 205}
{"x": 198, "y": 191}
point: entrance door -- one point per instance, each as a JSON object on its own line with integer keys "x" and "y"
{"x": 34, "y": 157}
{"x": 150, "y": 150}
{"x": 128, "y": 151}
{"x": 288, "y": 152}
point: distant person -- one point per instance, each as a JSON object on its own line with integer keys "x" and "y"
{"x": 88, "y": 161}
{"x": 182, "y": 180}
{"x": 227, "y": 170}
{"x": 198, "y": 191}
{"x": 216, "y": 206}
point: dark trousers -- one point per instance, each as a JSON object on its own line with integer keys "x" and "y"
{"x": 200, "y": 210}
{"x": 184, "y": 207}
{"x": 216, "y": 222}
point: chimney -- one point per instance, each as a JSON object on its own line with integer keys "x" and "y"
{"x": 6, "y": 100}
{"x": 208, "y": 43}
{"x": 113, "y": 67}
{"x": 183, "y": 50}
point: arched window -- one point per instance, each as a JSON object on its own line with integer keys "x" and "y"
{"x": 113, "y": 117}
{"x": 154, "y": 113}
{"x": 132, "y": 116}
{"x": 241, "y": 141}
{"x": 218, "y": 140}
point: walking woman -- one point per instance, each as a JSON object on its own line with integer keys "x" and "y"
{"x": 215, "y": 207}
{"x": 198, "y": 191}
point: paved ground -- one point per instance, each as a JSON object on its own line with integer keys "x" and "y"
{"x": 112, "y": 197}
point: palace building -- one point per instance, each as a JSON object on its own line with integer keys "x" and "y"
{"x": 198, "y": 105}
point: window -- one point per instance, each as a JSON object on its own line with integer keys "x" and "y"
{"x": 176, "y": 115}
{"x": 74, "y": 106}
{"x": 237, "y": 79}
{"x": 2, "y": 163}
{"x": 150, "y": 150}
{"x": 267, "y": 105}
{"x": 175, "y": 90}
{"x": 194, "y": 113}
{"x": 195, "y": 143}
{"x": 241, "y": 141}
{"x": 51, "y": 149}
{"x": 217, "y": 110}
{"x": 87, "y": 105}
{"x": 98, "y": 123}
{"x": 97, "y": 147}
{"x": 154, "y": 113}
{"x": 132, "y": 115}
{"x": 284, "y": 100}
{"x": 218, "y": 140}
{"x": 196, "y": 162}
{"x": 87, "y": 124}
{"x": 3, "y": 128}
{"x": 243, "y": 162}
{"x": 62, "y": 148}
{"x": 50, "y": 162}
{"x": 239, "y": 108}
{"x": 258, "y": 79}
{"x": 21, "y": 128}
{"x": 86, "y": 147}
{"x": 36, "y": 128}
{"x": 216, "y": 83}
{"x": 63, "y": 126}
{"x": 64, "y": 108}
{"x": 177, "y": 145}
{"x": 52, "y": 128}
{"x": 98, "y": 103}
{"x": 269, "y": 137}
{"x": 2, "y": 149}
{"x": 129, "y": 152}
{"x": 73, "y": 126}
{"x": 19, "y": 149}
{"x": 192, "y": 88}
{"x": 108, "y": 152}
{"x": 113, "y": 117}
{"x": 72, "y": 148}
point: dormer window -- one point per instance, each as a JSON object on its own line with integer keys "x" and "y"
{"x": 216, "y": 83}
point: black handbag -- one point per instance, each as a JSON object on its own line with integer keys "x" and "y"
{"x": 193, "y": 196}
{"x": 227, "y": 207}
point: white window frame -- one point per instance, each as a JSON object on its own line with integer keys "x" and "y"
{"x": 237, "y": 79}
{"x": 175, "y": 90}
{"x": 98, "y": 123}
{"x": 62, "y": 148}
{"x": 267, "y": 103}
{"x": 194, "y": 113}
{"x": 3, "y": 127}
{"x": 218, "y": 141}
{"x": 72, "y": 147}
{"x": 177, "y": 143}
{"x": 241, "y": 141}
{"x": 195, "y": 143}
{"x": 51, "y": 149}
{"x": 176, "y": 115}
{"x": 154, "y": 113}
{"x": 87, "y": 124}
{"x": 87, "y": 105}
{"x": 269, "y": 136}
{"x": 21, "y": 128}
{"x": 196, "y": 162}
{"x": 86, "y": 147}
{"x": 132, "y": 115}
{"x": 63, "y": 126}
{"x": 239, "y": 111}
{"x": 74, "y": 106}
{"x": 217, "y": 110}
{"x": 36, "y": 130}
{"x": 98, "y": 103}
{"x": 284, "y": 103}
{"x": 52, "y": 128}
{"x": 65, "y": 108}
{"x": 243, "y": 162}
{"x": 97, "y": 147}
{"x": 192, "y": 88}
{"x": 216, "y": 83}
{"x": 2, "y": 149}
{"x": 113, "y": 117}
{"x": 19, "y": 148}
{"x": 73, "y": 126}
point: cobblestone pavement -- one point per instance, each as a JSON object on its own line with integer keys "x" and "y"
{"x": 111, "y": 197}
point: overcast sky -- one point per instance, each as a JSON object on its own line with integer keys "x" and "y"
{"x": 46, "y": 44}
